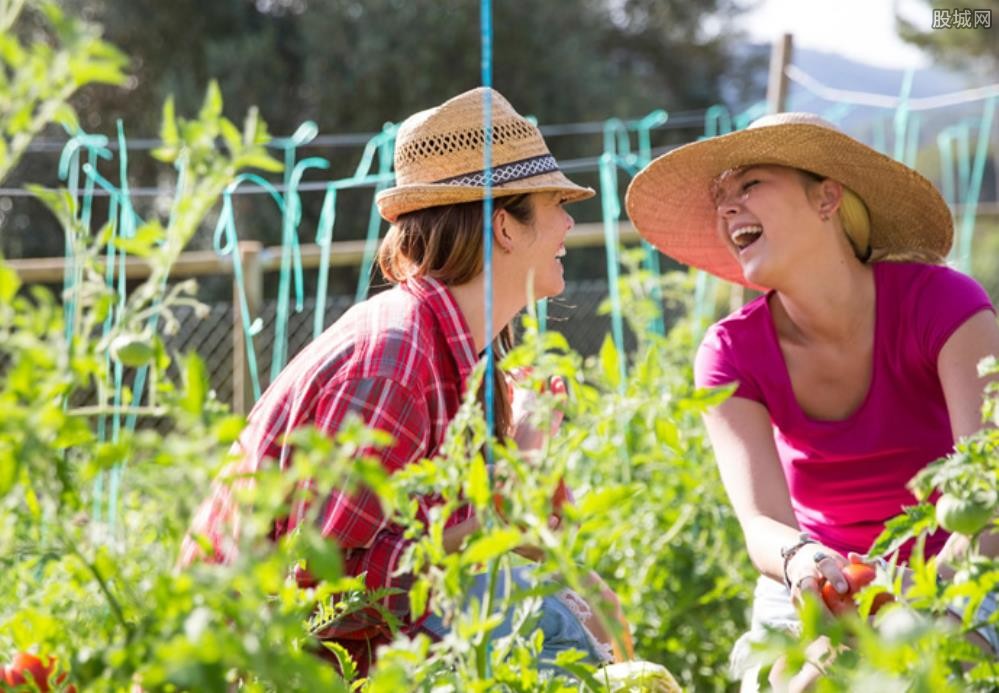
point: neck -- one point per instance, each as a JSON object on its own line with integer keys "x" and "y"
{"x": 471, "y": 299}
{"x": 808, "y": 310}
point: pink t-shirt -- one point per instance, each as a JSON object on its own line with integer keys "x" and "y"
{"x": 846, "y": 478}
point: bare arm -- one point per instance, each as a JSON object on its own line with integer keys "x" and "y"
{"x": 742, "y": 437}
{"x": 964, "y": 391}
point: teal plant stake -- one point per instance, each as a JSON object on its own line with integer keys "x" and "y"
{"x": 324, "y": 239}
{"x": 226, "y": 242}
{"x": 383, "y": 143}
{"x": 956, "y": 136}
{"x": 290, "y": 251}
{"x": 742, "y": 120}
{"x": 610, "y": 205}
{"x": 651, "y": 259}
{"x": 912, "y": 140}
{"x": 717, "y": 121}
{"x": 69, "y": 170}
{"x": 970, "y": 202}
{"x": 486, "y": 26}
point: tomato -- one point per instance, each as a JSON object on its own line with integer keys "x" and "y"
{"x": 25, "y": 663}
{"x": 857, "y": 575}
{"x": 132, "y": 350}
{"x": 966, "y": 515}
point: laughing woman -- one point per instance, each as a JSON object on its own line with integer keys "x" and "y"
{"x": 854, "y": 370}
{"x": 401, "y": 359}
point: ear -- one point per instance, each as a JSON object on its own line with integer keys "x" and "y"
{"x": 828, "y": 195}
{"x": 502, "y": 230}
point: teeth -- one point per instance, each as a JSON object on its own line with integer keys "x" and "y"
{"x": 560, "y": 253}
{"x": 745, "y": 235}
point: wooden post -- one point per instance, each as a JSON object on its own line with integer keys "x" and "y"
{"x": 780, "y": 58}
{"x": 253, "y": 279}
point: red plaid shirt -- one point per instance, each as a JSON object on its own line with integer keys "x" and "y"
{"x": 398, "y": 360}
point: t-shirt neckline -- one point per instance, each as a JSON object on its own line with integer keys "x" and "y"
{"x": 786, "y": 375}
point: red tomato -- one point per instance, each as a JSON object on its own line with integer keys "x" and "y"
{"x": 25, "y": 663}
{"x": 857, "y": 576}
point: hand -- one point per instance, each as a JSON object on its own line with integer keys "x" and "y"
{"x": 524, "y": 403}
{"x": 811, "y": 567}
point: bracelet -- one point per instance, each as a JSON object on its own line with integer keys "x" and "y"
{"x": 787, "y": 553}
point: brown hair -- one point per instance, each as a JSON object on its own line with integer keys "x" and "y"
{"x": 445, "y": 243}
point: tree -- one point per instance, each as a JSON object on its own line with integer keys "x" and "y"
{"x": 949, "y": 39}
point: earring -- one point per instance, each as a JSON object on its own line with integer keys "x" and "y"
{"x": 824, "y": 216}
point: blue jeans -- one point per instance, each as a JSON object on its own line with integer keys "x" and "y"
{"x": 559, "y": 620}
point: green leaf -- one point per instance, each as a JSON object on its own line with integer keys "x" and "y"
{"x": 492, "y": 545}
{"x": 168, "y": 128}
{"x": 610, "y": 365}
{"x": 477, "y": 487}
{"x": 8, "y": 469}
{"x": 347, "y": 665}
{"x": 211, "y": 109}
{"x": 258, "y": 158}
{"x": 195, "y": 385}
{"x": 65, "y": 115}
{"x": 59, "y": 201}
{"x": 85, "y": 72}
{"x": 231, "y": 135}
{"x": 227, "y": 429}
{"x": 10, "y": 283}
{"x": 144, "y": 243}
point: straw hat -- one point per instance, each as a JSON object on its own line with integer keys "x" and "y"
{"x": 670, "y": 201}
{"x": 439, "y": 157}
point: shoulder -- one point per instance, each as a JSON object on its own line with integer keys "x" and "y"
{"x": 933, "y": 283}
{"x": 745, "y": 324}
{"x": 394, "y": 337}
{"x": 722, "y": 354}
{"x": 930, "y": 301}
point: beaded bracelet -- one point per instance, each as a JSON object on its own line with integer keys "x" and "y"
{"x": 787, "y": 553}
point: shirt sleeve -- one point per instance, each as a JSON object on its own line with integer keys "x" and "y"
{"x": 356, "y": 520}
{"x": 716, "y": 364}
{"x": 944, "y": 300}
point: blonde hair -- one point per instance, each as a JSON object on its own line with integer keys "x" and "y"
{"x": 856, "y": 221}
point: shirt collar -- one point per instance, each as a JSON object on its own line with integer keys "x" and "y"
{"x": 450, "y": 318}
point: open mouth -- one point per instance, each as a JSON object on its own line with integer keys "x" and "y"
{"x": 745, "y": 236}
{"x": 561, "y": 253}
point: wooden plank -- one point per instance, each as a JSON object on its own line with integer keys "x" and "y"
{"x": 200, "y": 263}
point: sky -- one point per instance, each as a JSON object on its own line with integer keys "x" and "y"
{"x": 862, "y": 30}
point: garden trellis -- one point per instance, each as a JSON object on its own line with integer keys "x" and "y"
{"x": 963, "y": 147}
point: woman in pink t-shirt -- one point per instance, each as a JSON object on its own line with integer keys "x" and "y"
{"x": 854, "y": 370}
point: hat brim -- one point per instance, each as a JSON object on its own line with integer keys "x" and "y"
{"x": 670, "y": 202}
{"x": 408, "y": 198}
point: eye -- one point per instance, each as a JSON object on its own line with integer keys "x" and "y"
{"x": 748, "y": 184}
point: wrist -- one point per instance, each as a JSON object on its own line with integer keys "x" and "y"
{"x": 788, "y": 552}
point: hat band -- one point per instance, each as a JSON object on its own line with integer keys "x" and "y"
{"x": 505, "y": 173}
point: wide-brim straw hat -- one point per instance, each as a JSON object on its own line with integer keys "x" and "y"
{"x": 439, "y": 157}
{"x": 670, "y": 200}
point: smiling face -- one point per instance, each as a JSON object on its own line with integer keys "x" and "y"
{"x": 539, "y": 245}
{"x": 770, "y": 217}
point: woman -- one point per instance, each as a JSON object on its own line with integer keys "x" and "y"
{"x": 854, "y": 370}
{"x": 400, "y": 360}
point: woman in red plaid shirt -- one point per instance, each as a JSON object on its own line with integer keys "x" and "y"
{"x": 400, "y": 360}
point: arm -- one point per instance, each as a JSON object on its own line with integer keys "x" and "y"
{"x": 742, "y": 437}
{"x": 964, "y": 392}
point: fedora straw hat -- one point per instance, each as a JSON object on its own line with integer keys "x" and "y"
{"x": 439, "y": 157}
{"x": 670, "y": 200}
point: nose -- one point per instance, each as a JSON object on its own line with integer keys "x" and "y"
{"x": 569, "y": 221}
{"x": 728, "y": 205}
